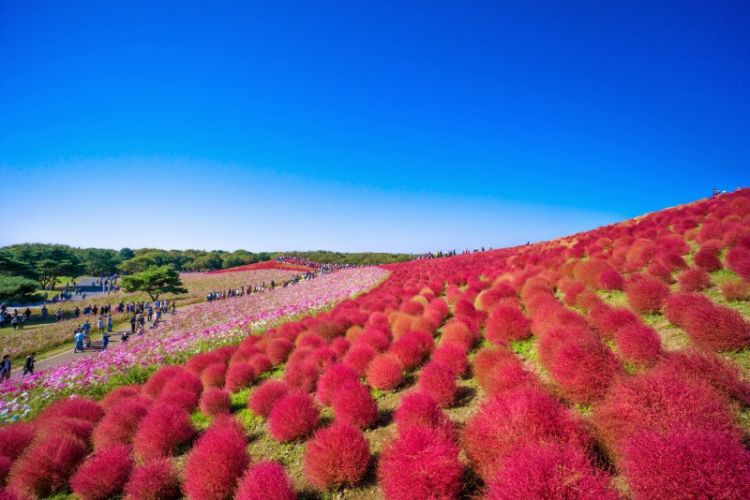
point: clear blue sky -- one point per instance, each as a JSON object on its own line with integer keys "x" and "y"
{"x": 402, "y": 126}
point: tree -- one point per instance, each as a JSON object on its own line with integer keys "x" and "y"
{"x": 155, "y": 280}
{"x": 48, "y": 262}
{"x": 11, "y": 266}
{"x": 125, "y": 254}
{"x": 99, "y": 262}
{"x": 18, "y": 289}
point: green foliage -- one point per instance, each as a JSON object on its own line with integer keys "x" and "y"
{"x": 99, "y": 262}
{"x": 18, "y": 289}
{"x": 359, "y": 258}
{"x": 11, "y": 266}
{"x": 47, "y": 262}
{"x": 155, "y": 281}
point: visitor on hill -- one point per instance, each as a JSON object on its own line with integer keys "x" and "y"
{"x": 133, "y": 319}
{"x": 58, "y": 314}
{"x": 86, "y": 327}
{"x": 44, "y": 313}
{"x": 174, "y": 307}
{"x": 5, "y": 368}
{"x": 28, "y": 366}
{"x": 100, "y": 324}
{"x": 105, "y": 341}
{"x": 14, "y": 322}
{"x": 109, "y": 323}
{"x": 78, "y": 337}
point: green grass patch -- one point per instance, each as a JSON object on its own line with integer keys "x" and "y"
{"x": 200, "y": 420}
{"x": 239, "y": 399}
{"x": 525, "y": 349}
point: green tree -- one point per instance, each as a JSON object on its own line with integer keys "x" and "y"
{"x": 98, "y": 261}
{"x": 18, "y": 289}
{"x": 48, "y": 262}
{"x": 125, "y": 254}
{"x": 155, "y": 281}
{"x": 11, "y": 266}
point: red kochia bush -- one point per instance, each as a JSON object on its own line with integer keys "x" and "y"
{"x": 694, "y": 279}
{"x": 292, "y": 417}
{"x": 215, "y": 401}
{"x": 65, "y": 426}
{"x": 735, "y": 290}
{"x": 686, "y": 463}
{"x": 186, "y": 400}
{"x": 418, "y": 409}
{"x": 645, "y": 294}
{"x": 708, "y": 259}
{"x": 164, "y": 428}
{"x": 278, "y": 350}
{"x": 184, "y": 381}
{"x": 337, "y": 455}
{"x": 214, "y": 375}
{"x": 505, "y": 324}
{"x": 155, "y": 480}
{"x": 103, "y": 474}
{"x": 385, "y": 372}
{"x": 334, "y": 377}
{"x": 265, "y": 396}
{"x": 81, "y": 408}
{"x": 521, "y": 416}
{"x": 549, "y": 471}
{"x": 457, "y": 331}
{"x": 609, "y": 279}
{"x": 14, "y": 439}
{"x": 261, "y": 363}
{"x": 679, "y": 305}
{"x": 420, "y": 463}
{"x": 239, "y": 376}
{"x": 46, "y": 465}
{"x": 264, "y": 481}
{"x": 408, "y": 350}
{"x": 702, "y": 366}
{"x": 156, "y": 382}
{"x": 216, "y": 462}
{"x": 118, "y": 394}
{"x": 608, "y": 320}
{"x": 717, "y": 328}
{"x": 358, "y": 357}
{"x": 438, "y": 380}
{"x": 354, "y": 405}
{"x": 638, "y": 344}
{"x": 121, "y": 422}
{"x": 452, "y": 355}
{"x": 658, "y": 400}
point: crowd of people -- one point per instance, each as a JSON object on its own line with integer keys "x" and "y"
{"x": 259, "y": 288}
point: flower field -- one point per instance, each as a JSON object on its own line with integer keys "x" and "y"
{"x": 19, "y": 343}
{"x": 607, "y": 364}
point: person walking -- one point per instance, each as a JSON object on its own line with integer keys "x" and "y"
{"x": 109, "y": 323}
{"x": 28, "y": 366}
{"x": 78, "y": 337}
{"x": 5, "y": 368}
{"x": 105, "y": 341}
{"x": 100, "y": 324}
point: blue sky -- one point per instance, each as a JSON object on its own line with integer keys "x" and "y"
{"x": 404, "y": 126}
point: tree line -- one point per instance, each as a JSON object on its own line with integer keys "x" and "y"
{"x": 27, "y": 268}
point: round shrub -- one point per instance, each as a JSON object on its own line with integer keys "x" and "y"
{"x": 419, "y": 410}
{"x": 583, "y": 368}
{"x": 46, "y": 465}
{"x": 679, "y": 305}
{"x": 438, "y": 381}
{"x": 457, "y": 331}
{"x": 216, "y": 462}
{"x": 239, "y": 376}
{"x": 638, "y": 344}
{"x": 74, "y": 407}
{"x": 261, "y": 363}
{"x": 506, "y": 324}
{"x": 292, "y": 417}
{"x": 685, "y": 462}
{"x": 156, "y": 382}
{"x": 358, "y": 357}
{"x": 385, "y": 372}
{"x": 265, "y": 396}
{"x": 183, "y": 381}
{"x": 214, "y": 375}
{"x": 302, "y": 374}
{"x": 376, "y": 338}
{"x": 706, "y": 367}
{"x": 187, "y": 400}
{"x": 215, "y": 401}
{"x": 608, "y": 320}
{"x": 717, "y": 328}
{"x": 420, "y": 463}
{"x": 549, "y": 471}
{"x": 332, "y": 379}
{"x": 264, "y": 481}
{"x": 609, "y": 279}
{"x": 694, "y": 279}
{"x": 337, "y": 455}
{"x": 354, "y": 405}
{"x": 657, "y": 400}
{"x": 521, "y": 416}
{"x": 15, "y": 438}
{"x": 103, "y": 474}
{"x": 119, "y": 393}
{"x": 735, "y": 290}
{"x": 121, "y": 422}
{"x": 155, "y": 480}
{"x": 164, "y": 428}
{"x": 278, "y": 350}
{"x": 64, "y": 426}
{"x": 408, "y": 351}
{"x": 452, "y": 355}
{"x": 708, "y": 259}
{"x": 340, "y": 346}
{"x": 646, "y": 295}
